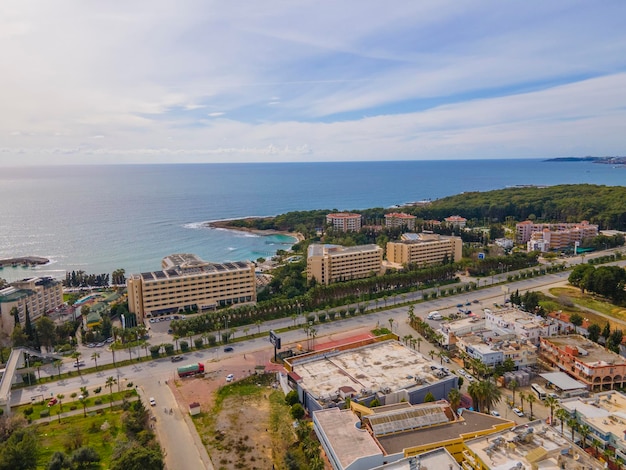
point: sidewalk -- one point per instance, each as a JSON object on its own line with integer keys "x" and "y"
{"x": 80, "y": 411}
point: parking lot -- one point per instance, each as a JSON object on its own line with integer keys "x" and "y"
{"x": 161, "y": 325}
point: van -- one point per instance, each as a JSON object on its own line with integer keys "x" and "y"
{"x": 433, "y": 314}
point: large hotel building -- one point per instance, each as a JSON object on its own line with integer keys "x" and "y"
{"x": 344, "y": 221}
{"x": 37, "y": 294}
{"x": 332, "y": 263}
{"x": 558, "y": 235}
{"x": 189, "y": 283}
{"x": 400, "y": 219}
{"x": 424, "y": 249}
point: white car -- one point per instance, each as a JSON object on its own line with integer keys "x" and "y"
{"x": 152, "y": 401}
{"x": 518, "y": 412}
{"x": 230, "y": 378}
{"x": 495, "y": 413}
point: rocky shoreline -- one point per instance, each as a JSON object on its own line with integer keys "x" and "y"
{"x": 225, "y": 225}
{"x": 24, "y": 260}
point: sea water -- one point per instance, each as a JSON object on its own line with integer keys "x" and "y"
{"x": 101, "y": 218}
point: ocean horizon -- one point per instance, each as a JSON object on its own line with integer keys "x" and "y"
{"x": 98, "y": 218}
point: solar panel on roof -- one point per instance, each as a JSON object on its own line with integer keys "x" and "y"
{"x": 147, "y": 276}
{"x": 160, "y": 274}
{"x": 172, "y": 272}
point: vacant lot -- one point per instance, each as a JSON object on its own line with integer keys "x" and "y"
{"x": 245, "y": 424}
{"x": 595, "y": 310}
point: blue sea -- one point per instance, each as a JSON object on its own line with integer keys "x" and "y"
{"x": 101, "y": 218}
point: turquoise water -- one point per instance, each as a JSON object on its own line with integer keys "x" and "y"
{"x": 101, "y": 218}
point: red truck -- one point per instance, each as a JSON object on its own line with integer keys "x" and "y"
{"x": 190, "y": 369}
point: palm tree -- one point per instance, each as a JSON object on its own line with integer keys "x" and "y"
{"x": 562, "y": 414}
{"x": 573, "y": 425}
{"x": 113, "y": 352}
{"x": 584, "y": 432}
{"x": 95, "y": 356}
{"x": 432, "y": 353}
{"x": 474, "y": 391}
{"x": 390, "y": 320}
{"x": 522, "y": 397}
{"x": 76, "y": 356}
{"x": 419, "y": 342}
{"x": 552, "y": 403}
{"x": 58, "y": 363}
{"x": 513, "y": 386}
{"x": 454, "y": 397}
{"x": 490, "y": 393}
{"x": 109, "y": 383}
{"x": 530, "y": 398}
{"x": 258, "y": 324}
{"x": 38, "y": 365}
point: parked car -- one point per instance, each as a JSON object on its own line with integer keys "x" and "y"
{"x": 152, "y": 401}
{"x": 461, "y": 372}
{"x": 53, "y": 401}
{"x": 518, "y": 412}
{"x": 79, "y": 364}
{"x": 177, "y": 358}
{"x": 476, "y": 301}
{"x": 495, "y": 413}
{"x": 230, "y": 378}
{"x": 228, "y": 349}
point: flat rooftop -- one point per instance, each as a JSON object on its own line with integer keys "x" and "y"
{"x": 367, "y": 369}
{"x": 527, "y": 446}
{"x": 468, "y": 423}
{"x": 590, "y": 353}
{"x": 605, "y": 411}
{"x": 438, "y": 458}
{"x": 348, "y": 441}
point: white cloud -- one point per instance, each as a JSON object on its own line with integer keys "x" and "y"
{"x": 346, "y": 80}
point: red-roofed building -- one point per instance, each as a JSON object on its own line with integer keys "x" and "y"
{"x": 400, "y": 219}
{"x": 344, "y": 221}
{"x": 456, "y": 221}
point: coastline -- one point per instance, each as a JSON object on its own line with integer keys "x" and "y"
{"x": 225, "y": 225}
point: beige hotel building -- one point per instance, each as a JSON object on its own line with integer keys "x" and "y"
{"x": 39, "y": 295}
{"x": 344, "y": 221}
{"x": 332, "y": 263}
{"x": 400, "y": 219}
{"x": 189, "y": 283}
{"x": 424, "y": 249}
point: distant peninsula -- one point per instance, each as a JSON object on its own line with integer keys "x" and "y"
{"x": 603, "y": 160}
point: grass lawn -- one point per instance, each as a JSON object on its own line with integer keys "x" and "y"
{"x": 617, "y": 314}
{"x": 77, "y": 431}
{"x": 69, "y": 403}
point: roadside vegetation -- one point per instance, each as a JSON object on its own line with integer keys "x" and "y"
{"x": 115, "y": 438}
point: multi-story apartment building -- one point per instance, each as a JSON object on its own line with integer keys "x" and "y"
{"x": 556, "y": 236}
{"x": 344, "y": 221}
{"x": 586, "y": 361}
{"x": 424, "y": 249}
{"x": 525, "y": 326}
{"x": 400, "y": 219}
{"x": 37, "y": 294}
{"x": 492, "y": 353}
{"x": 332, "y": 263}
{"x": 189, "y": 283}
{"x": 456, "y": 221}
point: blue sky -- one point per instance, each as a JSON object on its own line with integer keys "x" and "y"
{"x": 204, "y": 81}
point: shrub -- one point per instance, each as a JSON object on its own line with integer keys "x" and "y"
{"x": 297, "y": 411}
{"x": 292, "y": 398}
{"x": 28, "y": 411}
{"x": 97, "y": 390}
{"x": 129, "y": 385}
{"x": 44, "y": 413}
{"x": 97, "y": 401}
{"x": 198, "y": 343}
{"x": 184, "y": 346}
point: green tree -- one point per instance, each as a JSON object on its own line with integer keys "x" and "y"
{"x": 20, "y": 451}
{"x": 109, "y": 383}
{"x": 576, "y": 319}
{"x": 297, "y": 411}
{"x": 137, "y": 457}
{"x": 429, "y": 397}
{"x": 563, "y": 415}
{"x": 292, "y": 398}
{"x": 454, "y": 398}
{"x": 46, "y": 331}
{"x": 59, "y": 461}
{"x": 551, "y": 402}
{"x": 94, "y": 357}
{"x": 593, "y": 332}
{"x": 85, "y": 458}
{"x": 513, "y": 386}
{"x": 76, "y": 356}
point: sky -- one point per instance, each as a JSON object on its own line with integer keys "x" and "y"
{"x": 159, "y": 81}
